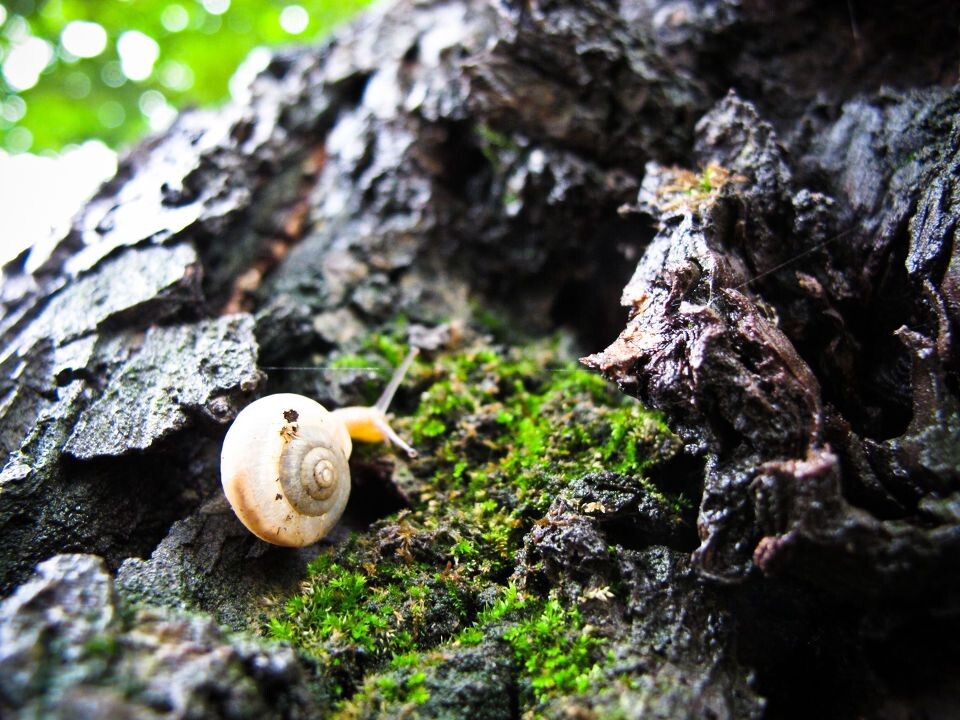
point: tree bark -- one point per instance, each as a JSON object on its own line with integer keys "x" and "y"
{"x": 773, "y": 187}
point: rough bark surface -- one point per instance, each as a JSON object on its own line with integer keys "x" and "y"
{"x": 69, "y": 650}
{"x": 772, "y": 186}
{"x": 755, "y": 321}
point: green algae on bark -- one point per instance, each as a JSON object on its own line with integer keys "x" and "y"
{"x": 502, "y": 432}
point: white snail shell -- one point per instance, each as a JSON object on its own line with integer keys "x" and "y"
{"x": 284, "y": 469}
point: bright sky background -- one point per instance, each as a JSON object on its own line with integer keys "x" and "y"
{"x": 39, "y": 195}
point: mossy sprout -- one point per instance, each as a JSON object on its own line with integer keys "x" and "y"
{"x": 686, "y": 189}
{"x": 501, "y": 433}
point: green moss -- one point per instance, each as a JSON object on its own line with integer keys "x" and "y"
{"x": 367, "y": 370}
{"x": 431, "y": 427}
{"x": 343, "y": 607}
{"x": 509, "y": 602}
{"x": 410, "y": 689}
{"x": 394, "y": 693}
{"x": 556, "y": 655}
{"x": 389, "y": 345}
{"x": 101, "y": 646}
{"x": 706, "y": 179}
{"x": 501, "y": 432}
{"x": 549, "y": 641}
{"x": 550, "y": 420}
{"x": 350, "y": 361}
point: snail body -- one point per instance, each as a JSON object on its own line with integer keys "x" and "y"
{"x": 284, "y": 464}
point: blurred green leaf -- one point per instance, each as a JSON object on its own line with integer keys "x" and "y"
{"x": 201, "y": 43}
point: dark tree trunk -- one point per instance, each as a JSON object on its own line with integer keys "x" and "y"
{"x": 773, "y": 188}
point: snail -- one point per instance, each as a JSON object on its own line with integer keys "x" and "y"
{"x": 284, "y": 461}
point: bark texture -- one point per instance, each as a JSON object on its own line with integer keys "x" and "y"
{"x": 772, "y": 186}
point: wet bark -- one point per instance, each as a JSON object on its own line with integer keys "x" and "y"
{"x": 769, "y": 188}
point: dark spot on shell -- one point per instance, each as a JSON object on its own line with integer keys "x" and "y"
{"x": 278, "y": 497}
{"x": 291, "y": 415}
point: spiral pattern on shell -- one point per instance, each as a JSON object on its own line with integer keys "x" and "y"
{"x": 284, "y": 469}
{"x": 310, "y": 469}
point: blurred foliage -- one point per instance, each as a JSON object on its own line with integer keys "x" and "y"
{"x": 198, "y": 45}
